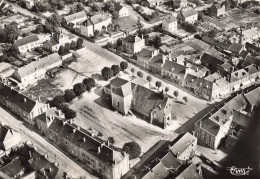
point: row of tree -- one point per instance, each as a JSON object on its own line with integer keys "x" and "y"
{"x": 70, "y": 46}
{"x": 108, "y": 73}
{"x": 60, "y": 101}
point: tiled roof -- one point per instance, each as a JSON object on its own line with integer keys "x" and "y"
{"x": 183, "y": 143}
{"x": 237, "y": 75}
{"x": 253, "y": 47}
{"x": 77, "y": 15}
{"x": 26, "y": 40}
{"x": 107, "y": 155}
{"x": 243, "y": 54}
{"x": 189, "y": 173}
{"x": 253, "y": 97}
{"x": 240, "y": 118}
{"x": 117, "y": 82}
{"x": 171, "y": 19}
{"x": 40, "y": 64}
{"x": 189, "y": 13}
{"x": 251, "y": 69}
{"x": 158, "y": 59}
{"x": 251, "y": 60}
{"x": 51, "y": 42}
{"x": 149, "y": 98}
{"x": 118, "y": 6}
{"x": 15, "y": 97}
{"x": 132, "y": 39}
{"x": 146, "y": 52}
{"x": 96, "y": 19}
{"x": 174, "y": 67}
{"x": 13, "y": 168}
{"x": 235, "y": 47}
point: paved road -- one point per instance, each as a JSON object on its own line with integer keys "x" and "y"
{"x": 43, "y": 146}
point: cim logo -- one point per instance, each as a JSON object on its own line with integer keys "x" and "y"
{"x": 239, "y": 171}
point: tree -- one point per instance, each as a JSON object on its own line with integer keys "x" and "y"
{"x": 133, "y": 149}
{"x": 109, "y": 27}
{"x": 133, "y": 71}
{"x": 67, "y": 47}
{"x": 111, "y": 140}
{"x": 72, "y": 10}
{"x": 57, "y": 101}
{"x": 176, "y": 93}
{"x": 167, "y": 90}
{"x": 116, "y": 69}
{"x": 10, "y": 33}
{"x": 10, "y": 59}
{"x": 79, "y": 7}
{"x": 61, "y": 50}
{"x": 79, "y": 88}
{"x": 158, "y": 84}
{"x": 116, "y": 27}
{"x": 149, "y": 79}
{"x": 107, "y": 73}
{"x": 79, "y": 42}
{"x": 140, "y": 74}
{"x": 124, "y": 65}
{"x": 39, "y": 29}
{"x": 89, "y": 83}
{"x": 73, "y": 45}
{"x": 69, "y": 95}
{"x": 96, "y": 33}
{"x": 115, "y": 15}
{"x": 157, "y": 42}
{"x": 69, "y": 113}
{"x": 185, "y": 99}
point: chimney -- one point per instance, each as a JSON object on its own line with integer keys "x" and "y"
{"x": 24, "y": 100}
{"x": 74, "y": 130}
{"x": 84, "y": 139}
{"x": 108, "y": 143}
{"x": 99, "y": 150}
{"x": 50, "y": 169}
{"x": 59, "y": 113}
{"x": 92, "y": 134}
{"x": 48, "y": 106}
{"x": 46, "y": 156}
{"x": 63, "y": 123}
{"x": 78, "y": 127}
{"x": 39, "y": 99}
{"x": 30, "y": 154}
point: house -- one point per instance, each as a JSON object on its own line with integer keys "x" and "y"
{"x": 97, "y": 22}
{"x": 249, "y": 35}
{"x": 145, "y": 55}
{"x": 212, "y": 130}
{"x": 217, "y": 10}
{"x": 169, "y": 24}
{"x": 178, "y": 4}
{"x": 133, "y": 44}
{"x": 152, "y": 3}
{"x": 29, "y": 4}
{"x": 252, "y": 48}
{"x": 36, "y": 70}
{"x": 236, "y": 49}
{"x": 165, "y": 162}
{"x": 174, "y": 72}
{"x": 188, "y": 15}
{"x": 58, "y": 39}
{"x": 127, "y": 96}
{"x": 89, "y": 149}
{"x": 211, "y": 61}
{"x": 21, "y": 105}
{"x": 27, "y": 43}
{"x": 157, "y": 62}
{"x": 75, "y": 19}
{"x": 9, "y": 138}
{"x": 122, "y": 11}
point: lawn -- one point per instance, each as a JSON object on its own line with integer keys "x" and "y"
{"x": 126, "y": 23}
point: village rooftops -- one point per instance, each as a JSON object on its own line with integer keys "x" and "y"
{"x": 235, "y": 47}
{"x": 182, "y": 144}
{"x": 210, "y": 59}
{"x": 253, "y": 97}
{"x": 210, "y": 126}
{"x": 189, "y": 173}
{"x": 86, "y": 142}
{"x": 17, "y": 98}
{"x": 237, "y": 75}
{"x": 250, "y": 33}
{"x": 26, "y": 40}
{"x": 171, "y": 19}
{"x": 39, "y": 64}
{"x": 189, "y": 12}
{"x": 75, "y": 16}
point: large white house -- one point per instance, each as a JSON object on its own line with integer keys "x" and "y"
{"x": 169, "y": 24}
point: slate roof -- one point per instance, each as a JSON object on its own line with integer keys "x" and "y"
{"x": 209, "y": 59}
{"x": 117, "y": 82}
{"x": 15, "y": 97}
{"x": 96, "y": 19}
{"x": 170, "y": 19}
{"x": 158, "y": 59}
{"x": 237, "y": 75}
{"x": 174, "y": 67}
{"x": 210, "y": 126}
{"x": 13, "y": 168}
{"x": 132, "y": 39}
{"x": 251, "y": 60}
{"x": 123, "y": 90}
{"x": 251, "y": 69}
{"x": 118, "y": 6}
{"x": 189, "y": 13}
{"x": 64, "y": 130}
{"x": 189, "y": 173}
{"x": 26, "y": 40}
{"x": 252, "y": 47}
{"x": 183, "y": 143}
{"x": 235, "y": 47}
{"x": 146, "y": 52}
{"x": 74, "y": 16}
{"x": 40, "y": 64}
{"x": 240, "y": 118}
{"x": 243, "y": 54}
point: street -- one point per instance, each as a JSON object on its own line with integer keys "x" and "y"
{"x": 44, "y": 147}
